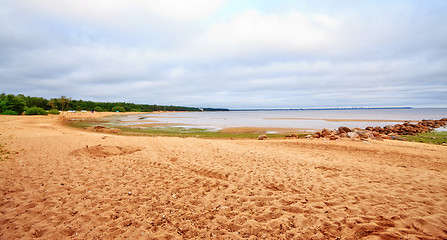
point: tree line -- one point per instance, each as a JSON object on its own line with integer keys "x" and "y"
{"x": 17, "y": 104}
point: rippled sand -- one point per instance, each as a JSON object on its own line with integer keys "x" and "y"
{"x": 62, "y": 183}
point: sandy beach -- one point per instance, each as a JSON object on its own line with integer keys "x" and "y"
{"x": 58, "y": 182}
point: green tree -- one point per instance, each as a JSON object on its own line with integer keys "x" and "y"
{"x": 13, "y": 103}
{"x": 36, "y": 102}
{"x": 98, "y": 109}
{"x": 64, "y": 101}
{"x": 52, "y": 103}
{"x": 118, "y": 109}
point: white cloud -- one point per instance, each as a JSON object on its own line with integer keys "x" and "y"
{"x": 177, "y": 72}
{"x": 253, "y": 31}
{"x": 112, "y": 11}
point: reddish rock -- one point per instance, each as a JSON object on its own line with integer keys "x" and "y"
{"x": 292, "y": 136}
{"x": 344, "y": 129}
{"x": 326, "y": 133}
{"x": 384, "y": 136}
{"x": 362, "y": 134}
{"x": 262, "y": 137}
{"x": 387, "y": 132}
{"x": 316, "y": 135}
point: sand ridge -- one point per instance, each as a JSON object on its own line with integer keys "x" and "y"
{"x": 63, "y": 183}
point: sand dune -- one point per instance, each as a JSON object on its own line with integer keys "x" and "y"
{"x": 62, "y": 183}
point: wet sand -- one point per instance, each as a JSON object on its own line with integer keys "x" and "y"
{"x": 63, "y": 183}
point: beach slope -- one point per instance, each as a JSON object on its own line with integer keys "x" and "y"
{"x": 62, "y": 183}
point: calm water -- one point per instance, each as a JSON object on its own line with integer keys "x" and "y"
{"x": 303, "y": 119}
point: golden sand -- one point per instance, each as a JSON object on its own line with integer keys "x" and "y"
{"x": 63, "y": 183}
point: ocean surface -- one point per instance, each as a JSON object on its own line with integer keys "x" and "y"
{"x": 306, "y": 120}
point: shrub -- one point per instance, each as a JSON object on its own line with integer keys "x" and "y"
{"x": 35, "y": 111}
{"x": 118, "y": 109}
{"x": 135, "y": 110}
{"x": 98, "y": 109}
{"x": 54, "y": 111}
{"x": 9, "y": 112}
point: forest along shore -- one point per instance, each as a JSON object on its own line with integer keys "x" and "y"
{"x": 58, "y": 182}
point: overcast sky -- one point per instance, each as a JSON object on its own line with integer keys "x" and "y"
{"x": 231, "y": 54}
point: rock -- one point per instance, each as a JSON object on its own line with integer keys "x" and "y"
{"x": 309, "y": 136}
{"x": 343, "y": 135}
{"x": 388, "y": 127}
{"x": 397, "y": 137}
{"x": 384, "y": 136}
{"x": 333, "y": 137}
{"x": 362, "y": 134}
{"x": 352, "y": 135}
{"x": 292, "y": 136}
{"x": 376, "y": 136}
{"x": 326, "y": 133}
{"x": 99, "y": 128}
{"x": 262, "y": 137}
{"x": 316, "y": 135}
{"x": 344, "y": 130}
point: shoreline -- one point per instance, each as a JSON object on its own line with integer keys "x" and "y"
{"x": 151, "y": 127}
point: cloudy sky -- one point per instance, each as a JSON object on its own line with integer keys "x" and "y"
{"x": 227, "y": 53}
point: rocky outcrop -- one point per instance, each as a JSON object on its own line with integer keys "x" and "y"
{"x": 380, "y": 133}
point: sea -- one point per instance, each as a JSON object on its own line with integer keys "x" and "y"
{"x": 305, "y": 120}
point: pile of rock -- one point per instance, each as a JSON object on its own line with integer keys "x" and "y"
{"x": 380, "y": 133}
{"x": 409, "y": 128}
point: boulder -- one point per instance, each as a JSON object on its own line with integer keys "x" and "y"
{"x": 326, "y": 133}
{"x": 344, "y": 130}
{"x": 384, "y": 136}
{"x": 388, "y": 127}
{"x": 292, "y": 136}
{"x": 332, "y": 137}
{"x": 352, "y": 135}
{"x": 362, "y": 134}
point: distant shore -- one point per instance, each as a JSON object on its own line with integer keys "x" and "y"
{"x": 311, "y": 109}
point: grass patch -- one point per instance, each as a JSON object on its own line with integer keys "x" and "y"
{"x": 83, "y": 124}
{"x": 191, "y": 132}
{"x": 428, "y": 137}
{"x": 168, "y": 131}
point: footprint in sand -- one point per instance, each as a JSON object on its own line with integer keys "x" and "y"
{"x": 99, "y": 151}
